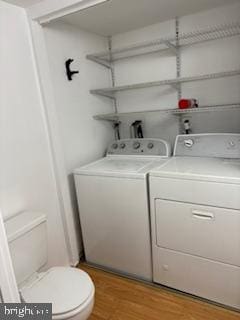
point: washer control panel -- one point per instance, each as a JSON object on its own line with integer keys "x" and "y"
{"x": 150, "y": 147}
{"x": 221, "y": 145}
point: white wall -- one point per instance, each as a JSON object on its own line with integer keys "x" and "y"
{"x": 27, "y": 177}
{"x": 83, "y": 139}
{"x": 216, "y": 56}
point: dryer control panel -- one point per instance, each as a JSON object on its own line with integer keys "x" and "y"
{"x": 145, "y": 147}
{"x": 221, "y": 145}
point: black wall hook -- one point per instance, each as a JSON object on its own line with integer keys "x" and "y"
{"x": 70, "y": 72}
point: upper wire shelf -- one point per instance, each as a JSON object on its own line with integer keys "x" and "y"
{"x": 185, "y": 39}
{"x": 210, "y": 108}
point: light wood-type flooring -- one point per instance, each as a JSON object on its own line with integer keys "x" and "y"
{"x": 118, "y": 298}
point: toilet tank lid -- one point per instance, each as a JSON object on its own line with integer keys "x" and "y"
{"x": 22, "y": 223}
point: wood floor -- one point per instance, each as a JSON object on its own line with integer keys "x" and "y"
{"x": 118, "y": 298}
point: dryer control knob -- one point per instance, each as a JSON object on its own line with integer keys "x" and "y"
{"x": 136, "y": 145}
{"x": 122, "y": 145}
{"x": 188, "y": 143}
{"x": 115, "y": 146}
{"x": 150, "y": 145}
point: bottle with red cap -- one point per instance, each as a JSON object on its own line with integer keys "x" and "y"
{"x": 187, "y": 103}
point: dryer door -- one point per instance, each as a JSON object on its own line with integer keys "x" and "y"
{"x": 196, "y": 250}
{"x": 204, "y": 231}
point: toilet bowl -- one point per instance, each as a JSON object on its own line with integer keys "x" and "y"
{"x": 70, "y": 290}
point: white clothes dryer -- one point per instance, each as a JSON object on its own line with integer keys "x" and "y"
{"x": 114, "y": 209}
{"x": 195, "y": 215}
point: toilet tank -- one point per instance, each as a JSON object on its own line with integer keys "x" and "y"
{"x": 27, "y": 239}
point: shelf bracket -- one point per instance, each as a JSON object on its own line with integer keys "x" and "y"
{"x": 175, "y": 86}
{"x": 99, "y": 61}
{"x": 113, "y": 119}
{"x": 172, "y": 47}
{"x": 104, "y": 94}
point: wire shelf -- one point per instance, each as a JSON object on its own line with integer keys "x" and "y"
{"x": 109, "y": 92}
{"x": 209, "y": 108}
{"x": 185, "y": 39}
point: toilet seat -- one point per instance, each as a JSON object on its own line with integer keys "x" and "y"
{"x": 68, "y": 289}
{"x": 83, "y": 310}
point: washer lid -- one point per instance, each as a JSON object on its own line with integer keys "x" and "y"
{"x": 121, "y": 166}
{"x": 65, "y": 287}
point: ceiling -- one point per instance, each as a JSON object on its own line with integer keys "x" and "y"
{"x": 124, "y": 15}
{"x": 24, "y": 3}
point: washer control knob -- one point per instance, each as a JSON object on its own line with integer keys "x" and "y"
{"x": 231, "y": 144}
{"x": 115, "y": 146}
{"x": 188, "y": 143}
{"x": 150, "y": 145}
{"x": 136, "y": 145}
{"x": 122, "y": 145}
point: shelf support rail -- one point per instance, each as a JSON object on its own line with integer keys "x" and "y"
{"x": 178, "y": 59}
{"x": 178, "y": 69}
{"x": 112, "y": 96}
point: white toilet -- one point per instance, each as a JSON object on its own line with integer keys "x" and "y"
{"x": 70, "y": 290}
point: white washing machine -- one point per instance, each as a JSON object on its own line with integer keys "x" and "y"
{"x": 113, "y": 204}
{"x": 195, "y": 215}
